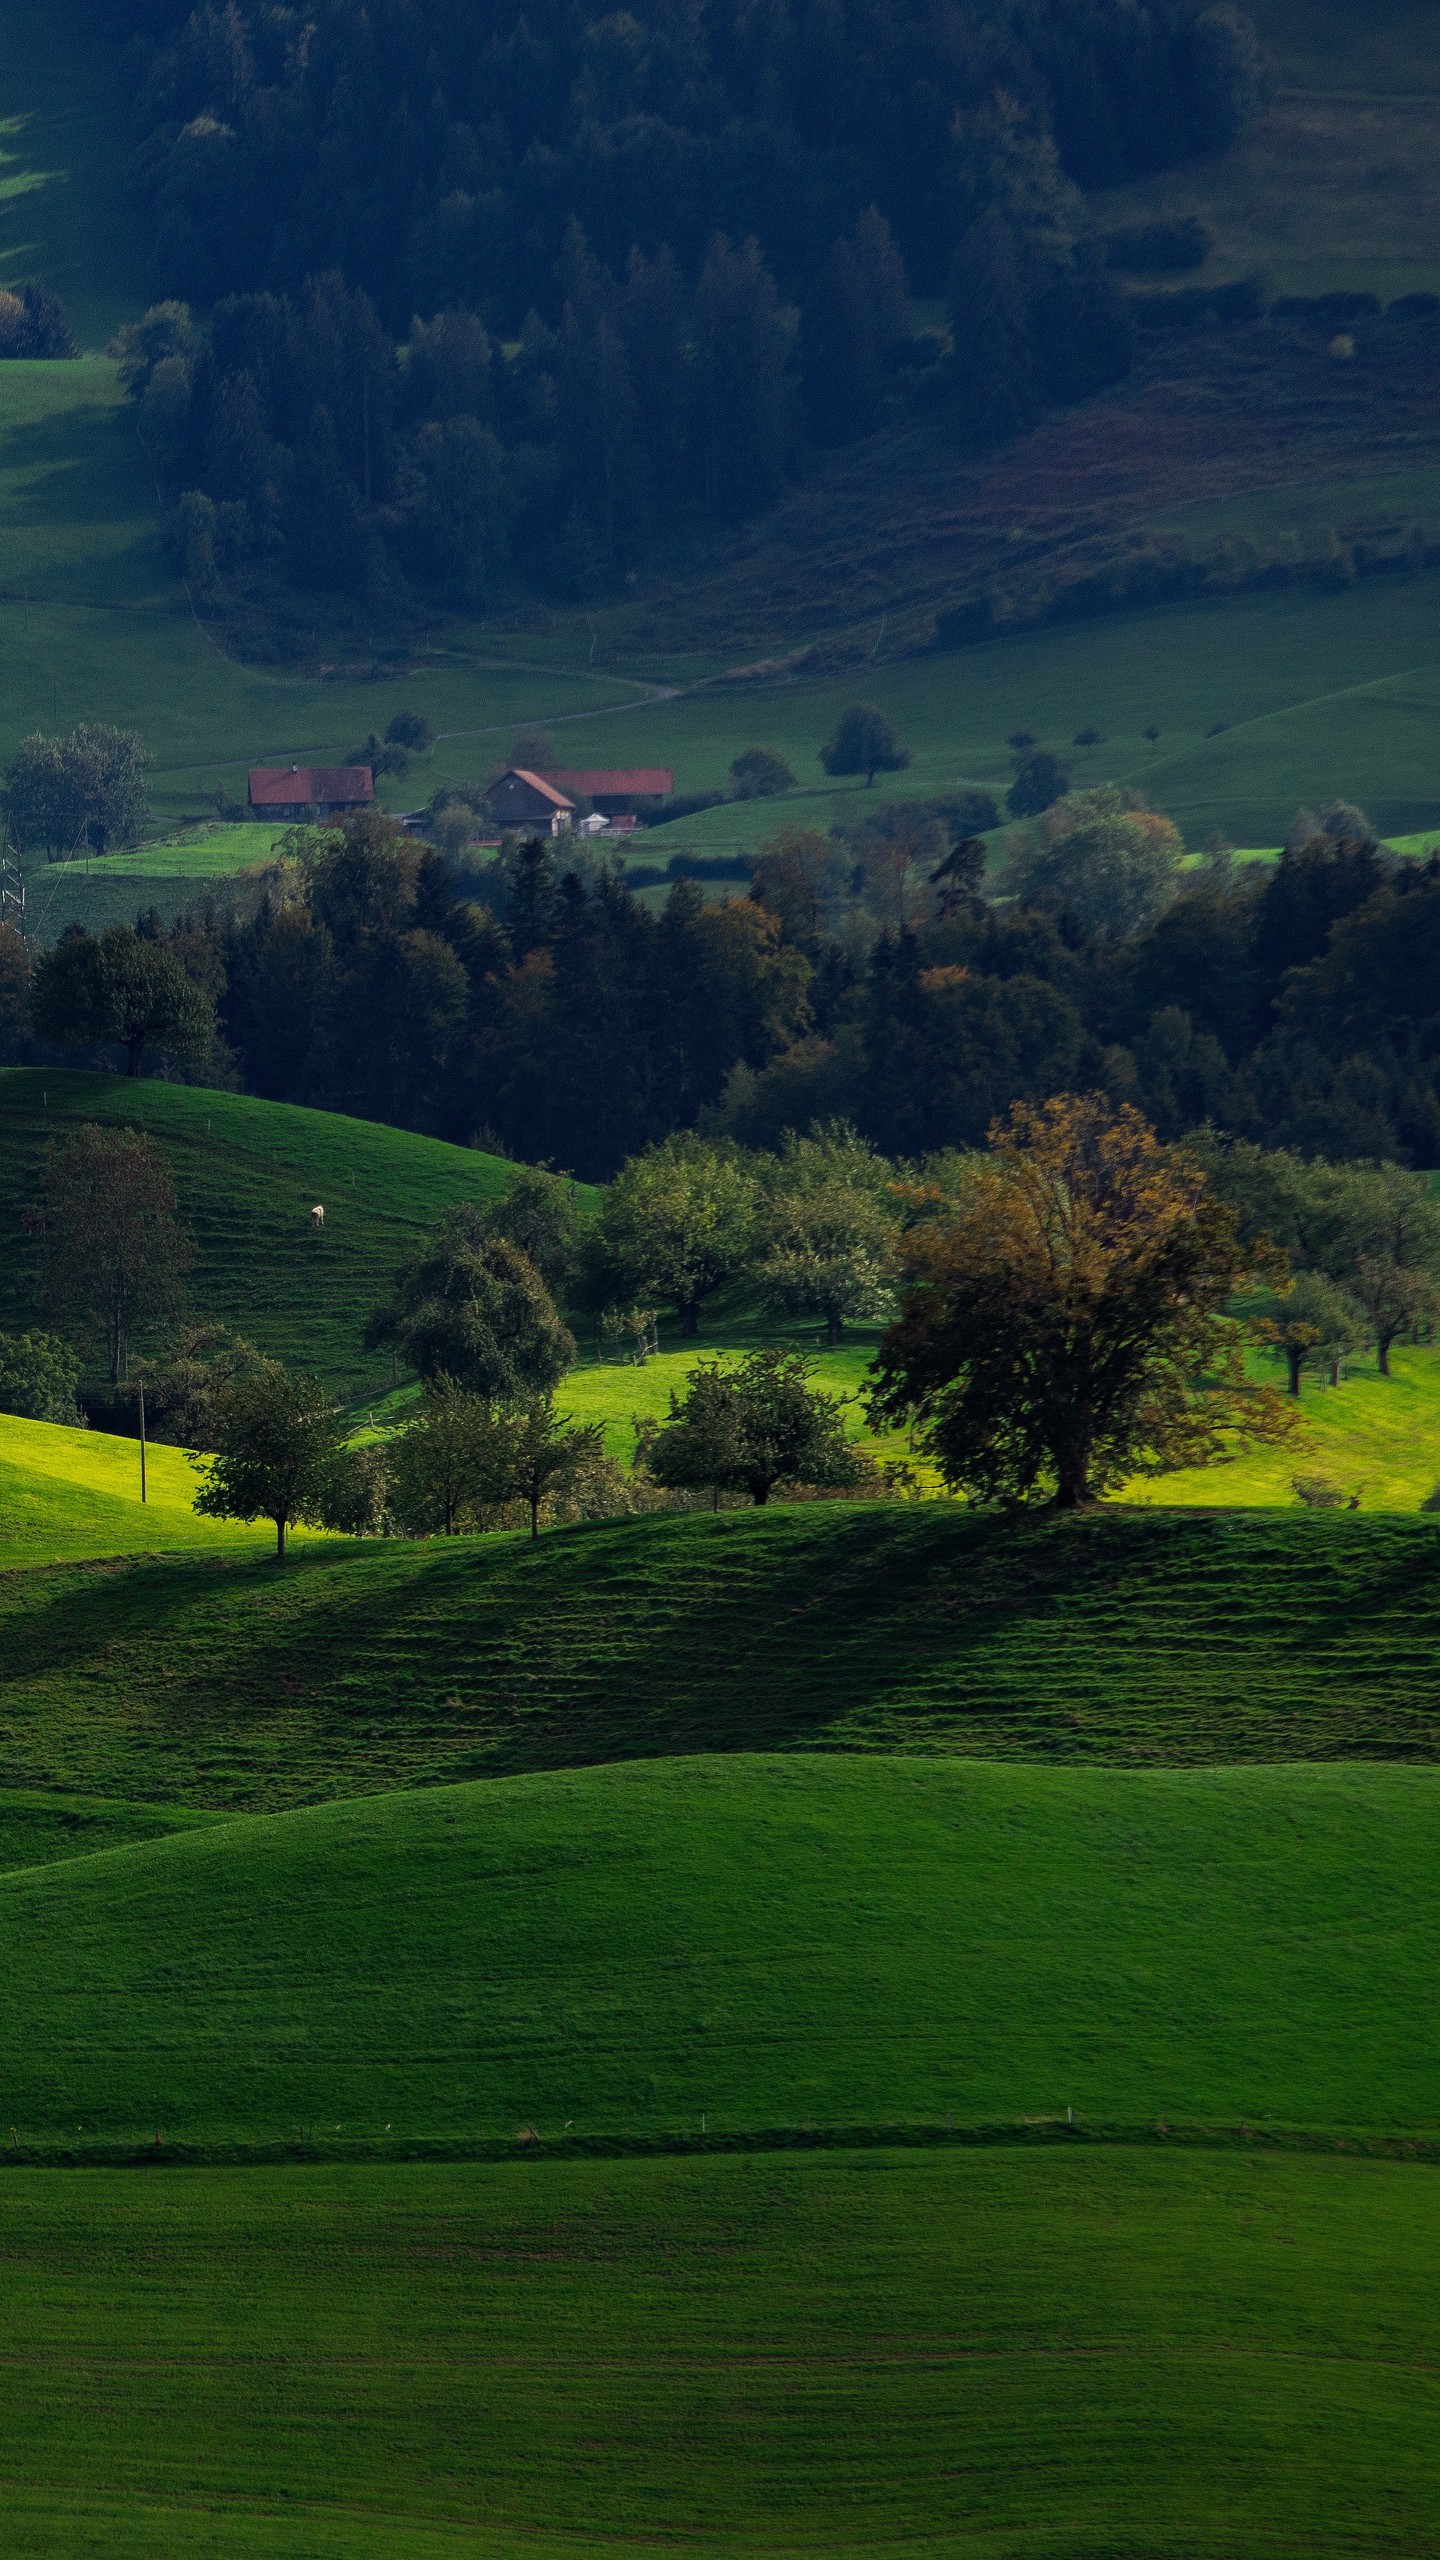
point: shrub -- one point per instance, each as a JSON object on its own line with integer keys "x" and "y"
{"x": 1040, "y": 780}
{"x": 38, "y": 1376}
{"x": 761, "y": 774}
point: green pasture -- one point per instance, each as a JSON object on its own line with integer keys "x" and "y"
{"x": 850, "y": 2354}
{"x": 764, "y": 1942}
{"x": 68, "y": 1495}
{"x": 1131, "y": 1637}
{"x": 1378, "y": 1437}
{"x": 1326, "y": 695}
{"x": 1331, "y": 191}
{"x": 247, "y": 1174}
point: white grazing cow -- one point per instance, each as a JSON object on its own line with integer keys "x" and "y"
{"x": 317, "y": 1218}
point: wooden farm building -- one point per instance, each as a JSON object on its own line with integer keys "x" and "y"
{"x": 618, "y": 794}
{"x": 309, "y": 790}
{"x": 524, "y": 799}
{"x": 551, "y": 802}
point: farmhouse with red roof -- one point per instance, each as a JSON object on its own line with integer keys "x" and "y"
{"x": 309, "y": 790}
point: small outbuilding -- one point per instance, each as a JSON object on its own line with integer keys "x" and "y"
{"x": 310, "y": 790}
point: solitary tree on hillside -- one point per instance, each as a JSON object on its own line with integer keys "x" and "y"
{"x": 864, "y": 742}
{"x": 470, "y": 1306}
{"x": 112, "y": 1249}
{"x": 279, "y": 1453}
{"x": 747, "y": 1429}
{"x": 761, "y": 773}
{"x": 122, "y": 990}
{"x": 1066, "y": 1325}
{"x": 1311, "y": 1323}
{"x": 442, "y": 1465}
{"x": 536, "y": 1456}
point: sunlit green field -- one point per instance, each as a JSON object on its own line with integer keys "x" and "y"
{"x": 759, "y": 1942}
{"x": 65, "y": 1495}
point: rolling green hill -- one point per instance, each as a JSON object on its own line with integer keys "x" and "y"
{"x": 1130, "y": 1637}
{"x": 247, "y": 1174}
{"x": 37, "y": 1828}
{"x": 68, "y": 1495}
{"x": 860, "y": 2357}
{"x": 765, "y": 1943}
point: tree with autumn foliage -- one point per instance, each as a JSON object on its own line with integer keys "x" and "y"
{"x": 1064, "y": 1320}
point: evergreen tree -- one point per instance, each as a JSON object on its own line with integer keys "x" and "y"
{"x": 744, "y": 342}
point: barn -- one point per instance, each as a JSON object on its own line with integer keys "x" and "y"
{"x": 310, "y": 790}
{"x": 619, "y": 793}
{"x": 523, "y": 799}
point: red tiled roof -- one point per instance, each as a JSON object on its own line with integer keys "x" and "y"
{"x": 635, "y": 782}
{"x": 304, "y": 786}
{"x": 537, "y": 782}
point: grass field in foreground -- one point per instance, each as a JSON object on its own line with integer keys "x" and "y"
{"x": 1132, "y": 1637}
{"x": 766, "y": 1942}
{"x": 247, "y": 1174}
{"x": 973, "y": 2356}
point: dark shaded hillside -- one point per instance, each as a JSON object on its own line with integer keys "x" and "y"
{"x": 1119, "y": 1636}
{"x": 247, "y": 1174}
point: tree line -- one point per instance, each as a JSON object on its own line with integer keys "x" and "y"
{"x": 536, "y": 1006}
{"x": 437, "y": 297}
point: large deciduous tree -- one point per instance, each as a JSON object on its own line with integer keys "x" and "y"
{"x": 470, "y": 1306}
{"x": 122, "y": 990}
{"x": 676, "y": 1223}
{"x": 1066, "y": 1324}
{"x": 113, "y": 1251}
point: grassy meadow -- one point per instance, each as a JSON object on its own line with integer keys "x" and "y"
{"x": 839, "y": 1850}
{"x": 970, "y": 2353}
{"x": 766, "y": 1943}
{"x": 66, "y": 1496}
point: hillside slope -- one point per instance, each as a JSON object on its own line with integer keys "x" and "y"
{"x": 833, "y": 2358}
{"x": 69, "y": 1495}
{"x": 766, "y": 1944}
{"x": 1125, "y": 1636}
{"x": 247, "y": 1174}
